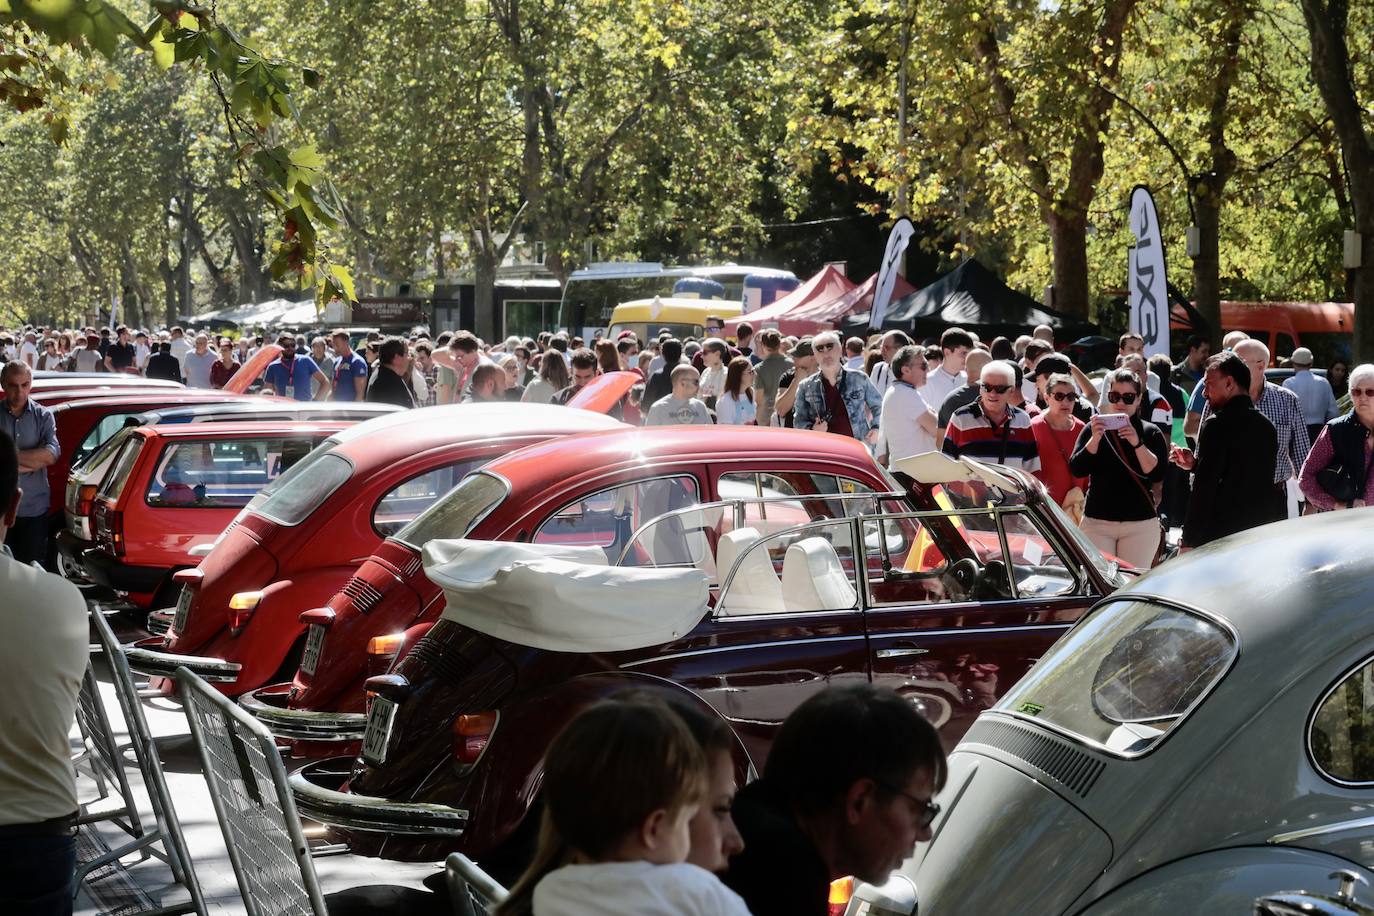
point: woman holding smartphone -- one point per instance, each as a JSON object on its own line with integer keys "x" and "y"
{"x": 1123, "y": 457}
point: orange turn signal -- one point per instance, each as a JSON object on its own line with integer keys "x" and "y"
{"x": 389, "y": 644}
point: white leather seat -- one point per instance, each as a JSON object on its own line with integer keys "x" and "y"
{"x": 755, "y": 588}
{"x": 813, "y": 578}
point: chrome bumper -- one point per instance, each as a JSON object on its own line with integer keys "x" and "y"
{"x": 314, "y": 799}
{"x": 268, "y": 706}
{"x": 146, "y": 657}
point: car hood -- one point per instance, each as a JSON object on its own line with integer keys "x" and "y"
{"x": 605, "y": 391}
{"x": 1046, "y": 852}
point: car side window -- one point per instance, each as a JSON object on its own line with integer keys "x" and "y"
{"x": 935, "y": 559}
{"x": 1037, "y": 567}
{"x": 107, "y": 427}
{"x": 804, "y": 571}
{"x": 221, "y": 475}
{"x": 609, "y": 518}
{"x": 409, "y": 498}
{"x": 1341, "y": 739}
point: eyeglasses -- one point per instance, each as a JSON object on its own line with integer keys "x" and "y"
{"x": 1362, "y": 392}
{"x": 1120, "y": 397}
{"x": 1062, "y": 395}
{"x": 821, "y": 348}
{"x": 996, "y": 389}
{"x": 928, "y": 810}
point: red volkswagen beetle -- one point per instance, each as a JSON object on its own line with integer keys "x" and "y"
{"x": 817, "y": 574}
{"x": 239, "y": 618}
{"x": 173, "y": 488}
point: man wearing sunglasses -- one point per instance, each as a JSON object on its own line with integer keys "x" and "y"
{"x": 991, "y": 429}
{"x": 836, "y": 399}
{"x": 816, "y": 816}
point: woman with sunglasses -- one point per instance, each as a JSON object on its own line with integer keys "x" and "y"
{"x": 1339, "y": 470}
{"x": 1056, "y": 432}
{"x": 1123, "y": 457}
{"x": 50, "y": 360}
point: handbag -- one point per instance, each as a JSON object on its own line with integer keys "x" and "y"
{"x": 1338, "y": 482}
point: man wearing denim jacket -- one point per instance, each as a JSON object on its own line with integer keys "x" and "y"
{"x": 821, "y": 397}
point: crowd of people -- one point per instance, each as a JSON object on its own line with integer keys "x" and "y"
{"x": 1122, "y": 455}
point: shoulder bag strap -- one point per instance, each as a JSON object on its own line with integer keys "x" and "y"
{"x": 1135, "y": 478}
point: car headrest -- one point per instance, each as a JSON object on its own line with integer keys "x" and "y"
{"x": 813, "y": 578}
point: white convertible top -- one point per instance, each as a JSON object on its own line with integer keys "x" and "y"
{"x": 562, "y": 598}
{"x": 936, "y": 467}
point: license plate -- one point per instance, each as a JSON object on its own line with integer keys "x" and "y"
{"x": 183, "y": 610}
{"x": 380, "y": 714}
{"x": 314, "y": 641}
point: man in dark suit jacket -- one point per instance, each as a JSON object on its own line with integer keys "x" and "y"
{"x": 1233, "y": 473}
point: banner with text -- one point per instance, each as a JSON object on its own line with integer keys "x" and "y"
{"x": 897, "y": 240}
{"x": 1146, "y": 281}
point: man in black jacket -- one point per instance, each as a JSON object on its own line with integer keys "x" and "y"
{"x": 163, "y": 364}
{"x": 1233, "y": 474}
{"x": 388, "y": 384}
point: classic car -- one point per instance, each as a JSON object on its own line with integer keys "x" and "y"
{"x": 239, "y": 616}
{"x": 591, "y": 491}
{"x": 1203, "y": 737}
{"x": 172, "y": 488}
{"x": 948, "y": 592}
{"x": 90, "y": 465}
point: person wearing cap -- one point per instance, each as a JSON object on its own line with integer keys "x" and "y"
{"x": 803, "y": 358}
{"x": 1314, "y": 393}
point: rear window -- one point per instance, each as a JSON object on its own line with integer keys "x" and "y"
{"x": 123, "y": 467}
{"x": 223, "y": 474}
{"x": 1126, "y": 676}
{"x": 291, "y": 498}
{"x": 457, "y": 513}
{"x": 107, "y": 427}
{"x": 406, "y": 500}
{"x": 106, "y": 451}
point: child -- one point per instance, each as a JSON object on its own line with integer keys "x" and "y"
{"x": 621, "y": 785}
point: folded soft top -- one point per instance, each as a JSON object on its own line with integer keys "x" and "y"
{"x": 563, "y": 598}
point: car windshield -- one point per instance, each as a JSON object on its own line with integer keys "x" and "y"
{"x": 457, "y": 513}
{"x": 1126, "y": 676}
{"x": 1109, "y": 569}
{"x": 291, "y": 498}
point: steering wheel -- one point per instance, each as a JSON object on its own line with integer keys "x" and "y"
{"x": 964, "y": 572}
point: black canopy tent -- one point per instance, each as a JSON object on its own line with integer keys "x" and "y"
{"x": 972, "y": 297}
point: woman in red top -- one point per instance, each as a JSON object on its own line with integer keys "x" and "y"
{"x": 225, "y": 367}
{"x": 1056, "y": 430}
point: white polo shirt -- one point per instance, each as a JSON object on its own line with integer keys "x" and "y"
{"x": 44, "y": 647}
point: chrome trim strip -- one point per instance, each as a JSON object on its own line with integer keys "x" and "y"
{"x": 304, "y": 724}
{"x": 165, "y": 664}
{"x": 1358, "y": 823}
{"x": 375, "y": 815}
{"x": 860, "y": 637}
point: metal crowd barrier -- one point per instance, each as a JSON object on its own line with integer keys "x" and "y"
{"x": 104, "y": 762}
{"x": 253, "y": 802}
{"x": 472, "y": 891}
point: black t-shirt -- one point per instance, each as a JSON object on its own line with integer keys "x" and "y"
{"x": 780, "y": 872}
{"x": 161, "y": 366}
{"x": 121, "y": 355}
{"x": 785, "y": 382}
{"x": 389, "y": 388}
{"x": 1112, "y": 494}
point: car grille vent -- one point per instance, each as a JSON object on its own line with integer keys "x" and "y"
{"x": 1076, "y": 770}
{"x": 413, "y": 566}
{"x": 431, "y": 653}
{"x": 364, "y": 595}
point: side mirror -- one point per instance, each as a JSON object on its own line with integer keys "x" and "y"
{"x": 895, "y": 897}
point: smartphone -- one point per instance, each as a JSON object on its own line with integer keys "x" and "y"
{"x": 1115, "y": 420}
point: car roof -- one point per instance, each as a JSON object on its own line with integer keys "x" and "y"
{"x": 249, "y": 405}
{"x": 143, "y": 398}
{"x": 538, "y": 466}
{"x": 1302, "y": 582}
{"x": 384, "y": 439}
{"x": 233, "y": 430}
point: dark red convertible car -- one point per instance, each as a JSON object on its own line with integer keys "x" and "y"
{"x": 238, "y": 619}
{"x": 816, "y": 569}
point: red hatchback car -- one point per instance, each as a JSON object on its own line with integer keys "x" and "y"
{"x": 172, "y": 488}
{"x": 239, "y": 617}
{"x": 818, "y": 573}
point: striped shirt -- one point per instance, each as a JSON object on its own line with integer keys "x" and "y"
{"x": 1282, "y": 408}
{"x": 1011, "y": 443}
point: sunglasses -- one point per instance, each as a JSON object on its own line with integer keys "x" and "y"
{"x": 928, "y": 810}
{"x": 996, "y": 389}
{"x": 821, "y": 348}
{"x": 1362, "y": 392}
{"x": 1062, "y": 395}
{"x": 1117, "y": 397}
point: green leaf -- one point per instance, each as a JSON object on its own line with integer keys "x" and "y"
{"x": 164, "y": 51}
{"x": 345, "y": 282}
{"x": 309, "y": 77}
{"x": 306, "y": 157}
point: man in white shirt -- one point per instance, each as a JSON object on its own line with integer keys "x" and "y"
{"x": 180, "y": 347}
{"x": 44, "y": 646}
{"x": 954, "y": 346}
{"x": 1314, "y": 393}
{"x": 28, "y": 351}
{"x": 854, "y": 353}
{"x": 196, "y": 365}
{"x": 881, "y": 376}
{"x": 908, "y": 422}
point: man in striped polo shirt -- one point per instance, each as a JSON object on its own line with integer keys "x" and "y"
{"x": 991, "y": 429}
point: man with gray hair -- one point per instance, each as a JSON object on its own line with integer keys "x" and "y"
{"x": 836, "y": 399}
{"x": 198, "y": 363}
{"x": 991, "y": 429}
{"x": 881, "y": 376}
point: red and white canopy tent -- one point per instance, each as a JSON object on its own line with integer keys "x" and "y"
{"x": 827, "y": 285}
{"x": 799, "y": 316}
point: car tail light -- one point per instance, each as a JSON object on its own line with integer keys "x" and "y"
{"x": 471, "y": 733}
{"x": 114, "y": 527}
{"x": 382, "y": 651}
{"x": 85, "y": 499}
{"x": 241, "y": 608}
{"x": 841, "y": 889}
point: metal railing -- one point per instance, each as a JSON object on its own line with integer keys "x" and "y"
{"x": 472, "y": 892}
{"x": 248, "y": 785}
{"x": 163, "y": 839}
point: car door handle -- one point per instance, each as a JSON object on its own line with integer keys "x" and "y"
{"x": 901, "y": 652}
